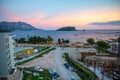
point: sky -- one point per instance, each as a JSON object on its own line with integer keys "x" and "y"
{"x": 53, "y": 14}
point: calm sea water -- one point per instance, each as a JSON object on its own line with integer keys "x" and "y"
{"x": 73, "y": 36}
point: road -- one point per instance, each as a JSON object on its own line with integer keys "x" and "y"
{"x": 54, "y": 60}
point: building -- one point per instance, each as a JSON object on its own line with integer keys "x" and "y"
{"x": 79, "y": 44}
{"x": 119, "y": 44}
{"x": 114, "y": 47}
{"x": 86, "y": 54}
{"x": 7, "y": 63}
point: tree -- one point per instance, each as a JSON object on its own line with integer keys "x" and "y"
{"x": 16, "y": 40}
{"x": 37, "y": 39}
{"x": 91, "y": 41}
{"x": 21, "y": 40}
{"x": 49, "y": 38}
{"x": 43, "y": 40}
{"x": 62, "y": 40}
{"x": 102, "y": 44}
{"x": 66, "y": 41}
{"x": 31, "y": 40}
{"x": 59, "y": 41}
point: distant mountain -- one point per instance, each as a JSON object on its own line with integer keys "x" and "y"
{"x": 16, "y": 26}
{"x": 67, "y": 28}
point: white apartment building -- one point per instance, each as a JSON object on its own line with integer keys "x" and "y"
{"x": 7, "y": 63}
{"x": 114, "y": 47}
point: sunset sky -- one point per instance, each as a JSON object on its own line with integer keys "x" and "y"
{"x": 53, "y": 14}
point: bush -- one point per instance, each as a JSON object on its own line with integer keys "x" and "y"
{"x": 91, "y": 41}
{"x": 102, "y": 44}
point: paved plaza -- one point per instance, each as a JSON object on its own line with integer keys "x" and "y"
{"x": 54, "y": 60}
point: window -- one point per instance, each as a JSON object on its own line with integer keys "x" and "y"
{"x": 6, "y": 40}
{"x": 7, "y": 58}
{"x": 7, "y": 46}
{"x": 8, "y": 52}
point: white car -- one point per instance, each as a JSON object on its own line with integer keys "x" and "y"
{"x": 72, "y": 78}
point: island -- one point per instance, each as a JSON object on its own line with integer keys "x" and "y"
{"x": 67, "y": 28}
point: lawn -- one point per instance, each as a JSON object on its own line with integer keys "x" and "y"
{"x": 44, "y": 75}
{"x": 83, "y": 73}
{"x": 43, "y": 48}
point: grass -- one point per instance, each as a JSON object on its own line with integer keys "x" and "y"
{"x": 101, "y": 51}
{"x": 29, "y": 76}
{"x": 83, "y": 73}
{"x": 44, "y": 53}
{"x": 40, "y": 55}
{"x": 44, "y": 48}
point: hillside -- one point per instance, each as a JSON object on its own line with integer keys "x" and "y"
{"x": 16, "y": 26}
{"x": 67, "y": 28}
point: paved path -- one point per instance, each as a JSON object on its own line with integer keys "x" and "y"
{"x": 54, "y": 59}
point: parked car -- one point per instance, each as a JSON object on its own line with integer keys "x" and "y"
{"x": 37, "y": 68}
{"x": 72, "y": 78}
{"x": 55, "y": 75}
{"x": 67, "y": 65}
{"x": 73, "y": 69}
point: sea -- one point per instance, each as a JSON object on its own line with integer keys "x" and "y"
{"x": 73, "y": 36}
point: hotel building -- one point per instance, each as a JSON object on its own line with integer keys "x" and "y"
{"x": 7, "y": 63}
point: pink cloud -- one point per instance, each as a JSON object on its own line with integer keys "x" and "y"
{"x": 80, "y": 19}
{"x": 33, "y": 18}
